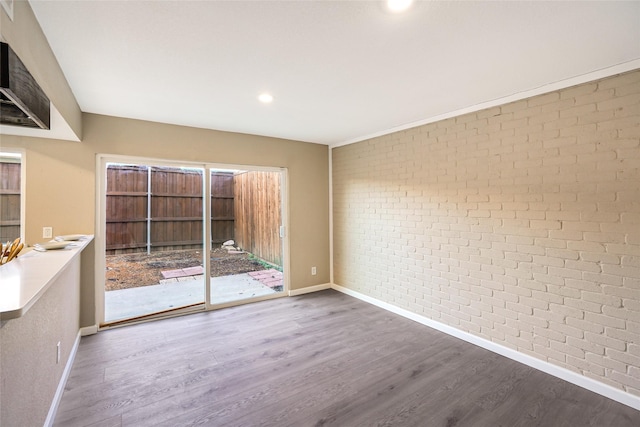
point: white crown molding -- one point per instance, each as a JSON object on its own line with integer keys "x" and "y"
{"x": 550, "y": 87}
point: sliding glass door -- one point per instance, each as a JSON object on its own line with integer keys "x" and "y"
{"x": 176, "y": 238}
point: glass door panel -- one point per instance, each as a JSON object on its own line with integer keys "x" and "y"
{"x": 154, "y": 240}
{"x": 246, "y": 219}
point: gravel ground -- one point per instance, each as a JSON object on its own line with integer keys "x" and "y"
{"x": 139, "y": 269}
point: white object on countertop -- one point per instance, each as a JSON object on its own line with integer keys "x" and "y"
{"x": 52, "y": 245}
{"x": 70, "y": 237}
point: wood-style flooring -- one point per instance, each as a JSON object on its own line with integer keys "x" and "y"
{"x": 322, "y": 359}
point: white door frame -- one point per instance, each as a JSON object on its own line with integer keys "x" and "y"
{"x": 100, "y": 234}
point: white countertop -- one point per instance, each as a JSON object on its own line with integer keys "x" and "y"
{"x": 24, "y": 280}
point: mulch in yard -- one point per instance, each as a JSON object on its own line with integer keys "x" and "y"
{"x": 142, "y": 269}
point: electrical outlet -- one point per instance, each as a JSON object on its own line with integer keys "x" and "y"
{"x": 313, "y": 271}
{"x": 47, "y": 232}
{"x": 58, "y": 353}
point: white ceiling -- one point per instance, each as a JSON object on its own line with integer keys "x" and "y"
{"x": 340, "y": 71}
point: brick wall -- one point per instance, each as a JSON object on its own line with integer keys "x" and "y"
{"x": 519, "y": 224}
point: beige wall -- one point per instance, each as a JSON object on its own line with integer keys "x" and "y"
{"x": 519, "y": 224}
{"x": 28, "y": 370}
{"x": 61, "y": 180}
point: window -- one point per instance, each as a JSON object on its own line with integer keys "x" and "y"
{"x": 11, "y": 200}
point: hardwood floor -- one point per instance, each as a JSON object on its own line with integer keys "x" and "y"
{"x": 322, "y": 359}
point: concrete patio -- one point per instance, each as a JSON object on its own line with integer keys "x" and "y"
{"x": 184, "y": 291}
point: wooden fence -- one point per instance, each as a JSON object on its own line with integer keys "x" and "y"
{"x": 9, "y": 201}
{"x": 244, "y": 207}
{"x": 153, "y": 209}
{"x": 258, "y": 214}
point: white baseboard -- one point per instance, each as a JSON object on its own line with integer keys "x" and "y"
{"x": 309, "y": 289}
{"x": 63, "y": 382}
{"x": 557, "y": 371}
{"x": 89, "y": 330}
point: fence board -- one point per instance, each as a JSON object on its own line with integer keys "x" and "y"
{"x": 222, "y": 213}
{"x": 126, "y": 216}
{"x": 258, "y": 214}
{"x": 9, "y": 201}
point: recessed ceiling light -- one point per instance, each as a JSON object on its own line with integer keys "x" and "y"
{"x": 265, "y": 98}
{"x": 399, "y": 5}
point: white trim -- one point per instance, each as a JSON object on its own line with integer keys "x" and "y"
{"x": 557, "y": 371}
{"x": 23, "y": 195}
{"x": 7, "y": 5}
{"x": 331, "y": 215}
{"x": 89, "y": 330}
{"x": 206, "y": 234}
{"x": 51, "y": 416}
{"x": 156, "y": 161}
{"x": 285, "y": 215}
{"x": 309, "y": 289}
{"x": 550, "y": 87}
{"x": 23, "y": 185}
{"x": 100, "y": 237}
